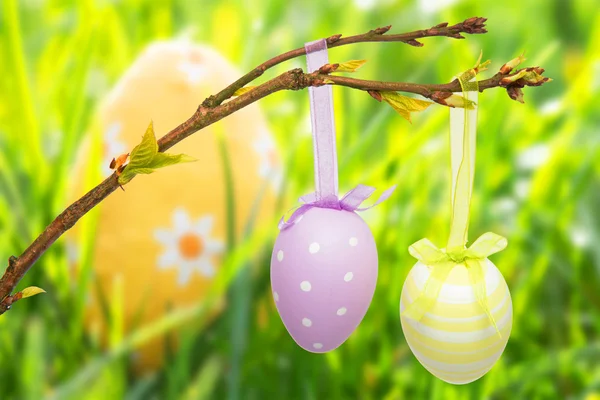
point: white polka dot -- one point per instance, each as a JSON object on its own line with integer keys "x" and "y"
{"x": 353, "y": 241}
{"x": 318, "y": 345}
{"x": 305, "y": 286}
{"x": 314, "y": 247}
{"x": 276, "y": 296}
{"x": 341, "y": 311}
{"x": 280, "y": 255}
{"x": 306, "y": 322}
{"x": 348, "y": 277}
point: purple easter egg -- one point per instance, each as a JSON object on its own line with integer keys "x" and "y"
{"x": 323, "y": 276}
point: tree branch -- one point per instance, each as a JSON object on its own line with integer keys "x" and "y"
{"x": 432, "y": 91}
{"x": 215, "y": 108}
{"x": 473, "y": 25}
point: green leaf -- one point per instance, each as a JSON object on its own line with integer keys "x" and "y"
{"x": 350, "y": 66}
{"x": 460, "y": 101}
{"x": 404, "y": 105}
{"x": 130, "y": 174}
{"x": 145, "y": 158}
{"x": 515, "y": 77}
{"x": 512, "y": 64}
{"x": 161, "y": 160}
{"x": 31, "y": 291}
{"x": 243, "y": 90}
{"x": 146, "y": 150}
{"x": 481, "y": 66}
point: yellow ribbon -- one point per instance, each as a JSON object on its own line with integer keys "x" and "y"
{"x": 441, "y": 261}
{"x": 463, "y": 132}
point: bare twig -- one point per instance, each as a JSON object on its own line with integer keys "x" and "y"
{"x": 214, "y": 108}
{"x": 472, "y": 25}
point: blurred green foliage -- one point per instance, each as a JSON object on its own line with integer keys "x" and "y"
{"x": 537, "y": 183}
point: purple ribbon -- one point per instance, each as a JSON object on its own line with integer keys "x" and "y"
{"x": 350, "y": 202}
{"x": 326, "y": 171}
{"x": 323, "y": 124}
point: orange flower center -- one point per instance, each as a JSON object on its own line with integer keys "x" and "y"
{"x": 190, "y": 245}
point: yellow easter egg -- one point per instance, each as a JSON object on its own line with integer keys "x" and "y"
{"x": 162, "y": 239}
{"x": 455, "y": 340}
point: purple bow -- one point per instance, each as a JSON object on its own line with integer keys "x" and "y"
{"x": 323, "y": 128}
{"x": 350, "y": 202}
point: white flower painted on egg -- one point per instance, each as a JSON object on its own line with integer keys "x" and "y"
{"x": 188, "y": 246}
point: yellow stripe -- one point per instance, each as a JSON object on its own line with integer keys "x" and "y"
{"x": 459, "y": 276}
{"x": 412, "y": 287}
{"x": 464, "y": 324}
{"x": 458, "y": 337}
{"x": 457, "y": 310}
{"x": 464, "y": 369}
{"x": 464, "y": 357}
{"x": 410, "y": 333}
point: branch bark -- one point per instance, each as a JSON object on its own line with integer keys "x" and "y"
{"x": 215, "y": 108}
{"x": 473, "y": 25}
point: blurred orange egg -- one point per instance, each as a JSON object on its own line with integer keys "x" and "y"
{"x": 163, "y": 238}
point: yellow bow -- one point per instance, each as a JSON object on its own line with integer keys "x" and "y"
{"x": 441, "y": 263}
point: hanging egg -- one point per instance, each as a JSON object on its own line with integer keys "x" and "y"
{"x": 159, "y": 244}
{"x": 456, "y": 340}
{"x": 323, "y": 277}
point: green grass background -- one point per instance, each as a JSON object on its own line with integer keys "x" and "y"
{"x": 537, "y": 183}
